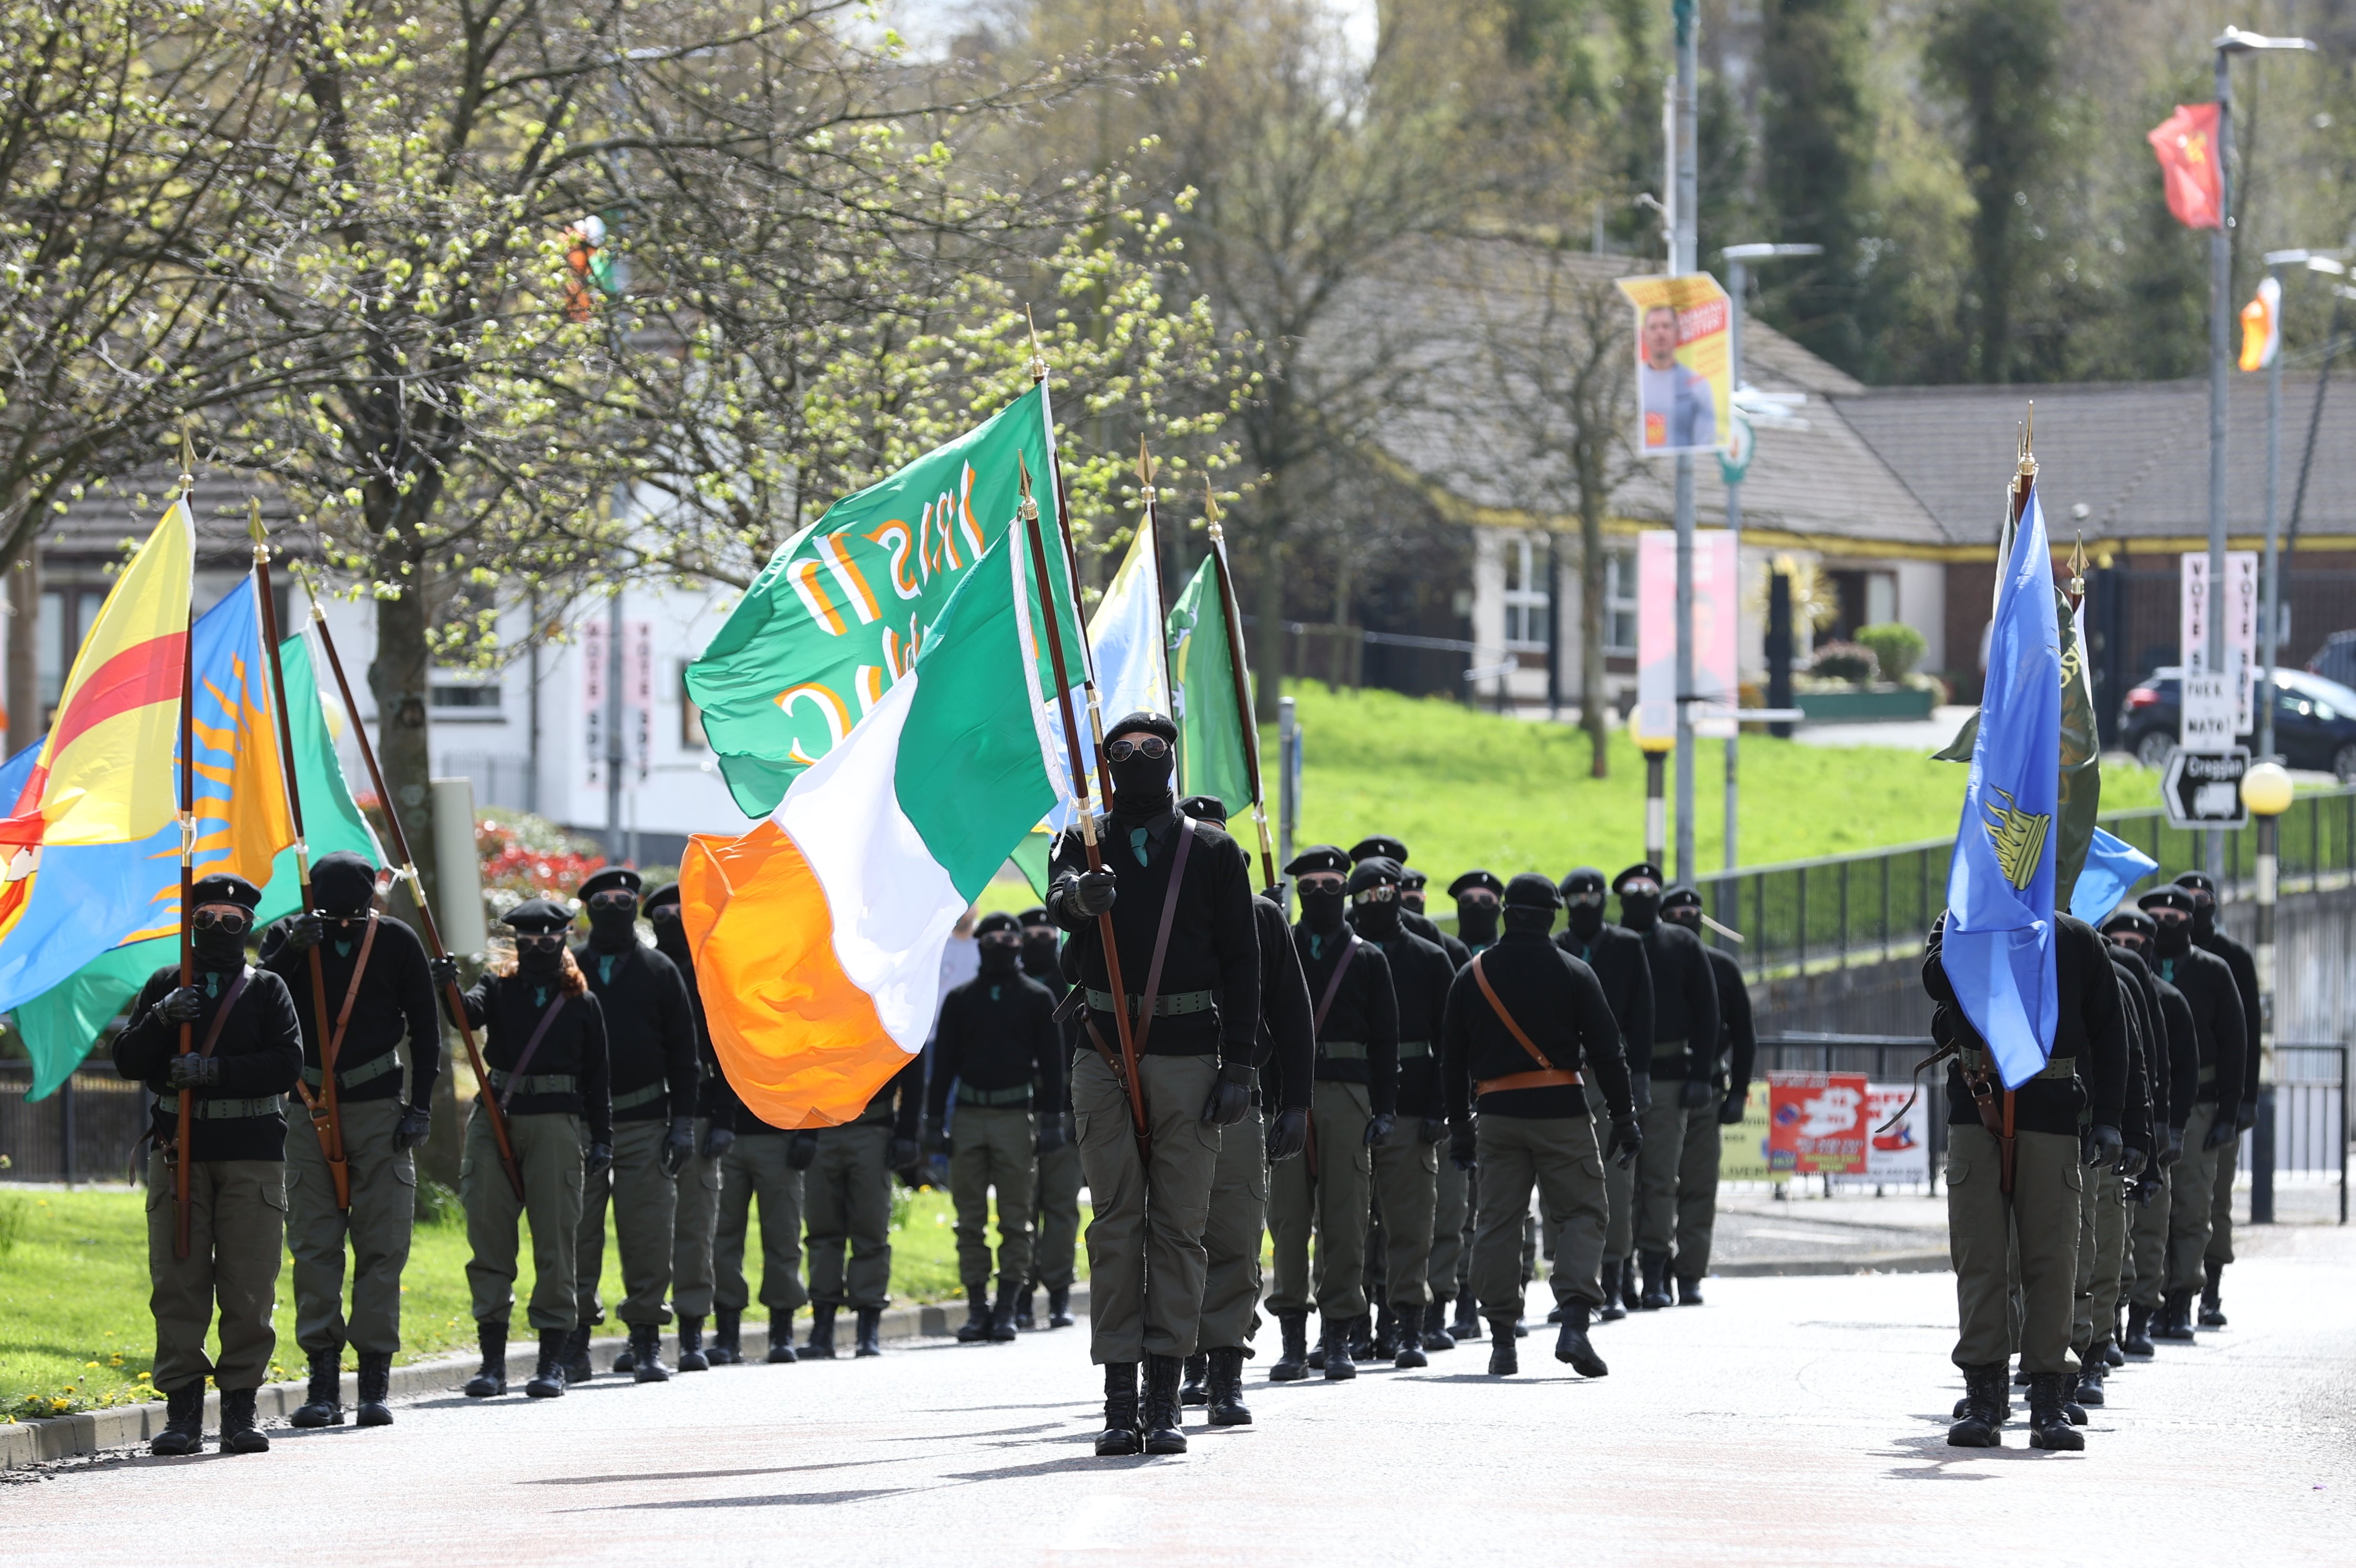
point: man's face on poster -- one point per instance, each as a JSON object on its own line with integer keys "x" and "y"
{"x": 1661, "y": 337}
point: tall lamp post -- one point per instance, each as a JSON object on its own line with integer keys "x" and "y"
{"x": 1686, "y": 170}
{"x": 2265, "y": 789}
{"x": 2231, "y": 42}
{"x": 2270, "y": 587}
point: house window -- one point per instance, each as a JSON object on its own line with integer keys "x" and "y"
{"x": 66, "y": 616}
{"x": 1526, "y": 594}
{"x": 690, "y": 717}
{"x": 481, "y": 699}
{"x": 1620, "y": 603}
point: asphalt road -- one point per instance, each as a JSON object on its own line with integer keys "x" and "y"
{"x": 1790, "y": 1421}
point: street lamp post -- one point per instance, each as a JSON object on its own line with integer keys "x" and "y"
{"x": 2265, "y": 789}
{"x": 1687, "y": 171}
{"x": 2270, "y": 588}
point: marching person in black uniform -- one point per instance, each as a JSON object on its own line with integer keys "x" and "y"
{"x": 1618, "y": 957}
{"x": 847, "y": 1188}
{"x": 1526, "y": 1027}
{"x": 694, "y": 1278}
{"x": 1283, "y": 1061}
{"x": 1352, "y": 1109}
{"x": 997, "y": 1042}
{"x": 545, "y": 1047}
{"x": 2207, "y": 981}
{"x": 378, "y": 991}
{"x": 1180, "y": 900}
{"x": 1413, "y": 886}
{"x": 1407, "y": 1166}
{"x": 1411, "y": 914}
{"x": 1728, "y": 1071}
{"x": 1054, "y": 1253}
{"x": 650, "y": 1043}
{"x": 1681, "y": 1125}
{"x": 2210, "y": 937}
{"x": 1478, "y": 895}
{"x": 246, "y": 1051}
{"x": 2174, "y": 1049}
{"x": 2102, "y": 1225}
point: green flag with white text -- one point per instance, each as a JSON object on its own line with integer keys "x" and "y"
{"x": 1210, "y": 752}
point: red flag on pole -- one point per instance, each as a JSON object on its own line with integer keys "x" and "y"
{"x": 2186, "y": 143}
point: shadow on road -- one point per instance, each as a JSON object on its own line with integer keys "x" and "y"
{"x": 776, "y": 1500}
{"x": 694, "y": 1475}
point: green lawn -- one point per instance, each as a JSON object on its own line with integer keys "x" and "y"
{"x": 75, "y": 1334}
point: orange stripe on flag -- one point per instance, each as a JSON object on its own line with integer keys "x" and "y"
{"x": 142, "y": 673}
{"x": 800, "y": 1044}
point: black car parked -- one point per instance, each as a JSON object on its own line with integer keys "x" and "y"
{"x": 2314, "y": 721}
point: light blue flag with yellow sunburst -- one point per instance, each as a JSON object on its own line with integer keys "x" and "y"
{"x": 1999, "y": 948}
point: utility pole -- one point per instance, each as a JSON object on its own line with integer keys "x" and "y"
{"x": 1682, "y": 252}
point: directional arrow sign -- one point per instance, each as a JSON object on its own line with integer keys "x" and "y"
{"x": 2203, "y": 789}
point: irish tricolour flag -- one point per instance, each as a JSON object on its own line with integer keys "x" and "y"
{"x": 818, "y": 936}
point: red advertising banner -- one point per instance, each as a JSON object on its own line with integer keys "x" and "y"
{"x": 1817, "y": 1122}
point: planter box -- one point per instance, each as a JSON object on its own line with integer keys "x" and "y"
{"x": 1866, "y": 705}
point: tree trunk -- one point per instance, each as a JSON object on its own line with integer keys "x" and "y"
{"x": 398, "y": 678}
{"x": 1268, "y": 606}
{"x": 1592, "y": 709}
{"x": 24, "y": 652}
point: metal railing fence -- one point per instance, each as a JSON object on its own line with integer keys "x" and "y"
{"x": 86, "y": 1131}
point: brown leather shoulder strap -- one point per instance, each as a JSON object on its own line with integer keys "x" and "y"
{"x": 1334, "y": 981}
{"x": 229, "y": 1004}
{"x": 1481, "y": 978}
{"x": 531, "y": 1048}
{"x": 333, "y": 1046}
{"x": 1162, "y": 932}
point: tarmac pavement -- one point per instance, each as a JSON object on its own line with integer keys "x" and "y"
{"x": 1790, "y": 1421}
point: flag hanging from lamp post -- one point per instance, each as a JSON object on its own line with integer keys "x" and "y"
{"x": 2186, "y": 144}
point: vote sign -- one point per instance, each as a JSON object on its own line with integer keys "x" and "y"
{"x": 1817, "y": 1122}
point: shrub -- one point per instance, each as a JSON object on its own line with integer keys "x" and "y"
{"x": 1843, "y": 662}
{"x": 436, "y": 1204}
{"x": 1897, "y": 647}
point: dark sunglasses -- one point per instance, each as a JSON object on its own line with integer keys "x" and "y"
{"x": 2167, "y": 916}
{"x": 538, "y": 942}
{"x": 1584, "y": 897}
{"x": 232, "y": 920}
{"x": 1638, "y": 885}
{"x": 1380, "y": 893}
{"x": 1482, "y": 900}
{"x": 613, "y": 898}
{"x": 1003, "y": 939}
{"x": 1323, "y": 881}
{"x": 1152, "y": 748}
{"x": 662, "y": 914}
{"x": 1031, "y": 932}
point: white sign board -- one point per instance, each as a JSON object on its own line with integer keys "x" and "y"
{"x": 2240, "y": 607}
{"x": 2203, "y": 789}
{"x": 2205, "y": 721}
{"x": 1903, "y": 1153}
{"x": 1715, "y": 630}
{"x": 593, "y": 698}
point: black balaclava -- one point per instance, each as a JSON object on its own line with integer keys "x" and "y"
{"x": 1476, "y": 924}
{"x": 2175, "y": 938}
{"x": 1376, "y": 919}
{"x": 1586, "y": 919}
{"x": 1530, "y": 903}
{"x": 612, "y": 930}
{"x": 1640, "y": 912}
{"x": 2204, "y": 904}
{"x": 1538, "y": 920}
{"x": 539, "y": 963}
{"x": 1322, "y": 911}
{"x": 1140, "y": 784}
{"x": 670, "y": 934}
{"x": 998, "y": 956}
{"x": 343, "y": 886}
{"x": 216, "y": 947}
{"x": 1038, "y": 943}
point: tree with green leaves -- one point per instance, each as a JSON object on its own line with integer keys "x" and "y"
{"x": 1817, "y": 171}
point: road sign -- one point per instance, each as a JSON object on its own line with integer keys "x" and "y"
{"x": 2241, "y": 611}
{"x": 2203, "y": 789}
{"x": 2205, "y": 720}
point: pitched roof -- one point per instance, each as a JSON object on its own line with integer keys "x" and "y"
{"x": 110, "y": 520}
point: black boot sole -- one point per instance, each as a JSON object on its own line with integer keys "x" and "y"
{"x": 374, "y": 1414}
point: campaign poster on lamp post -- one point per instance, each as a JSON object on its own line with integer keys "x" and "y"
{"x": 1685, "y": 381}
{"x": 1715, "y": 590}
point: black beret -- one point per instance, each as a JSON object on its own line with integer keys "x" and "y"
{"x": 666, "y": 894}
{"x": 1679, "y": 897}
{"x": 1531, "y": 891}
{"x": 1375, "y": 870}
{"x": 2130, "y": 921}
{"x": 223, "y": 887}
{"x": 1317, "y": 858}
{"x": 1472, "y": 879}
{"x": 1413, "y": 878}
{"x": 2197, "y": 881}
{"x": 612, "y": 876}
{"x": 343, "y": 881}
{"x": 996, "y": 920}
{"x": 538, "y": 916}
{"x": 1368, "y": 848}
{"x": 1144, "y": 721}
{"x": 2168, "y": 897}
{"x": 1642, "y": 868}
{"x": 1037, "y": 915}
{"x": 1585, "y": 879}
{"x": 1205, "y": 808}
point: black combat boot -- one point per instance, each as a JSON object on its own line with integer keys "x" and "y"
{"x": 2212, "y": 1313}
{"x": 2112, "y": 1355}
{"x": 1226, "y": 1388}
{"x": 2048, "y": 1423}
{"x": 1610, "y": 1311}
{"x": 548, "y": 1376}
{"x": 727, "y": 1346}
{"x": 626, "y": 1360}
{"x": 1001, "y": 1317}
{"x": 821, "y": 1344}
{"x": 871, "y": 1332}
{"x": 646, "y": 1353}
{"x": 1656, "y": 1283}
{"x": 1467, "y": 1326}
{"x": 1338, "y": 1365}
{"x": 1409, "y": 1355}
{"x": 1571, "y": 1344}
{"x": 1118, "y": 1437}
{"x": 2089, "y": 1378}
{"x": 2175, "y": 1321}
{"x": 1980, "y": 1419}
{"x": 183, "y": 1422}
{"x": 1059, "y": 1307}
{"x": 239, "y": 1433}
{"x": 2003, "y": 1401}
{"x": 1504, "y": 1356}
{"x": 323, "y": 1402}
{"x": 1362, "y": 1336}
{"x": 492, "y": 1380}
{"x": 1192, "y": 1390}
{"x": 1387, "y": 1333}
{"x": 376, "y": 1388}
{"x": 1026, "y": 1308}
{"x": 1292, "y": 1363}
{"x": 1688, "y": 1292}
{"x": 1162, "y": 1434}
{"x": 976, "y": 1326}
{"x": 2137, "y": 1341}
{"x": 2070, "y": 1405}
{"x": 1435, "y": 1325}
{"x": 691, "y": 1357}
{"x": 2020, "y": 1378}
{"x": 577, "y": 1368}
{"x": 781, "y": 1339}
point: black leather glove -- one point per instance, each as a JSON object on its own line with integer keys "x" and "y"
{"x": 1378, "y": 1129}
{"x": 416, "y": 1126}
{"x": 678, "y": 1146}
{"x": 1730, "y": 1112}
{"x": 183, "y": 1005}
{"x": 1431, "y": 1128}
{"x": 802, "y": 1152}
{"x": 2149, "y": 1186}
{"x": 2247, "y": 1121}
{"x": 906, "y": 1155}
{"x": 191, "y": 1070}
{"x": 1093, "y": 893}
{"x": 2174, "y": 1149}
{"x": 1640, "y": 1092}
{"x": 2131, "y": 1161}
{"x": 716, "y": 1139}
{"x": 1463, "y": 1147}
{"x": 600, "y": 1160}
{"x": 1051, "y": 1134}
{"x": 445, "y": 971}
{"x": 1288, "y": 1135}
{"x": 1695, "y": 1093}
{"x": 937, "y": 1139}
{"x": 2100, "y": 1143}
{"x": 1230, "y": 1100}
{"x": 2221, "y": 1132}
{"x": 1627, "y": 1137}
{"x": 306, "y": 932}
